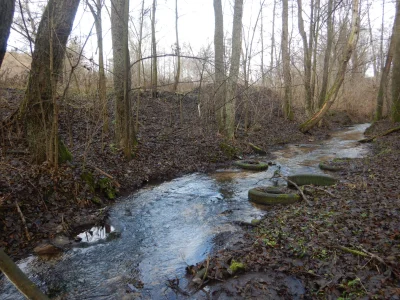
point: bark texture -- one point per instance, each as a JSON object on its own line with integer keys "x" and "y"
{"x": 220, "y": 75}
{"x": 125, "y": 136}
{"x": 396, "y": 68}
{"x": 230, "y": 100}
{"x": 286, "y": 62}
{"x": 38, "y": 107}
{"x": 6, "y": 17}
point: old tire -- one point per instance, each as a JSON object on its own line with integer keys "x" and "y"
{"x": 257, "y": 195}
{"x": 252, "y": 165}
{"x": 316, "y": 179}
{"x": 327, "y": 167}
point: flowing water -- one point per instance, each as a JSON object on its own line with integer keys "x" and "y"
{"x": 156, "y": 232}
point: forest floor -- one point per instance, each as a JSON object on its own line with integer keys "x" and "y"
{"x": 343, "y": 244}
{"x": 299, "y": 243}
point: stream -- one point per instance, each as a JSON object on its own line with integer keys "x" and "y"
{"x": 157, "y": 231}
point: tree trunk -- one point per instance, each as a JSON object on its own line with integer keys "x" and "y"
{"x": 396, "y": 68}
{"x": 154, "y": 51}
{"x": 332, "y": 94}
{"x": 287, "y": 108}
{"x": 328, "y": 50}
{"x": 220, "y": 75}
{"x": 178, "y": 50}
{"x": 385, "y": 72}
{"x": 306, "y": 58}
{"x": 262, "y": 45}
{"x": 19, "y": 279}
{"x": 54, "y": 29}
{"x": 102, "y": 77}
{"x": 230, "y": 100}
{"x": 139, "y": 67}
{"x": 125, "y": 136}
{"x": 271, "y": 64}
{"x": 6, "y": 17}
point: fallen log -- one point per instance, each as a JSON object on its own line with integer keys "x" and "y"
{"x": 370, "y": 139}
{"x": 19, "y": 279}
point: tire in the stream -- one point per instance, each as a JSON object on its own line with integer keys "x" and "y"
{"x": 252, "y": 165}
{"x": 327, "y": 167}
{"x": 316, "y": 179}
{"x": 261, "y": 196}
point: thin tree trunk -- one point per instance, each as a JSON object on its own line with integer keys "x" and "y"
{"x": 262, "y": 45}
{"x": 220, "y": 75}
{"x": 386, "y": 71}
{"x": 315, "y": 33}
{"x": 328, "y": 52}
{"x": 306, "y": 58}
{"x": 154, "y": 51}
{"x": 230, "y": 102}
{"x": 38, "y": 105}
{"x": 139, "y": 67}
{"x": 6, "y": 17}
{"x": 271, "y": 64}
{"x": 332, "y": 94}
{"x": 396, "y": 67}
{"x": 178, "y": 50}
{"x": 371, "y": 40}
{"x": 102, "y": 77}
{"x": 287, "y": 108}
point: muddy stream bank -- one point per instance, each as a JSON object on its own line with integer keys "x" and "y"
{"x": 156, "y": 232}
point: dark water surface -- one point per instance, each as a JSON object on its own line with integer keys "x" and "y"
{"x": 165, "y": 227}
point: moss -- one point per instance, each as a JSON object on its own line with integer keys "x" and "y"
{"x": 228, "y": 150}
{"x": 316, "y": 179}
{"x": 106, "y": 186}
{"x": 63, "y": 153}
{"x": 89, "y": 179}
{"x": 97, "y": 200}
{"x": 236, "y": 266}
{"x": 255, "y": 222}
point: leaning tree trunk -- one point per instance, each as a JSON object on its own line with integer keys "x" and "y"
{"x": 396, "y": 68}
{"x": 287, "y": 107}
{"x": 219, "y": 64}
{"x": 39, "y": 105}
{"x": 124, "y": 134}
{"x": 332, "y": 93}
{"x": 6, "y": 17}
{"x": 230, "y": 100}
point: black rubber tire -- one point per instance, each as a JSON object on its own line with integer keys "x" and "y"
{"x": 252, "y": 165}
{"x": 315, "y": 179}
{"x": 258, "y": 196}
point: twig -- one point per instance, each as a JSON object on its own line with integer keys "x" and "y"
{"x": 107, "y": 175}
{"x": 323, "y": 190}
{"x": 23, "y": 221}
{"x": 352, "y": 251}
{"x": 298, "y": 188}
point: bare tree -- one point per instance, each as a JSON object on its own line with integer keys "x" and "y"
{"x": 6, "y": 17}
{"x": 39, "y": 106}
{"x": 139, "y": 65}
{"x": 154, "y": 51}
{"x": 178, "y": 50}
{"x": 124, "y": 132}
{"x": 230, "y": 100}
{"x": 327, "y": 56}
{"x": 333, "y": 91}
{"x": 102, "y": 77}
{"x": 386, "y": 69}
{"x": 219, "y": 63}
{"x": 396, "y": 68}
{"x": 286, "y": 62}
{"x": 307, "y": 49}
